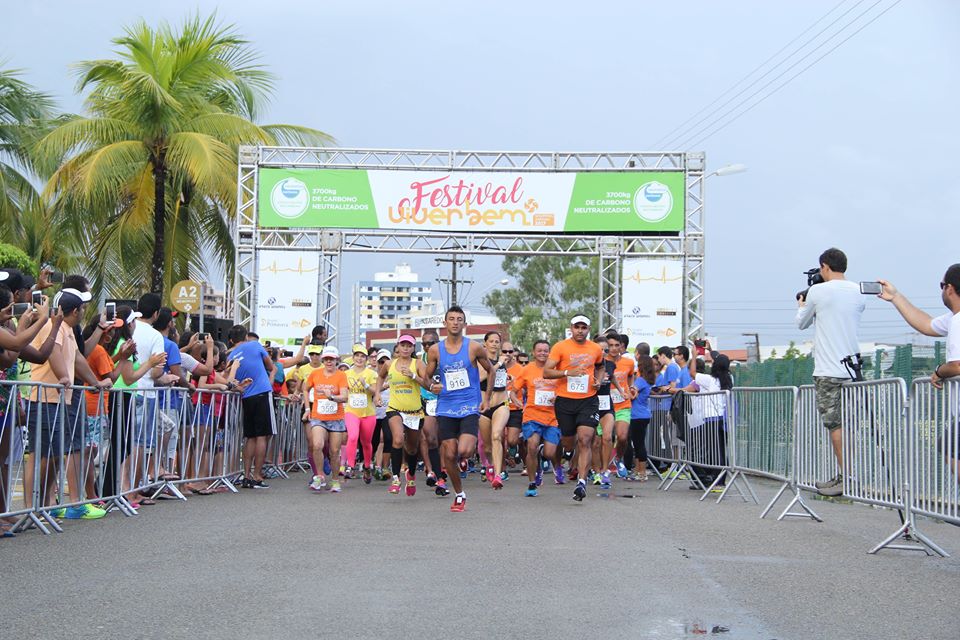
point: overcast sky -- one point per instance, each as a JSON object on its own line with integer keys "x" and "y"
{"x": 858, "y": 152}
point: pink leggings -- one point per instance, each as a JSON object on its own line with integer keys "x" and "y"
{"x": 358, "y": 429}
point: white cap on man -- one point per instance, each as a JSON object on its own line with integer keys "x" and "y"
{"x": 580, "y": 319}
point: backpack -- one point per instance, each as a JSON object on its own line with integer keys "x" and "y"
{"x": 679, "y": 408}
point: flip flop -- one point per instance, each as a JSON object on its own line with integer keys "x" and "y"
{"x": 206, "y": 492}
{"x": 147, "y": 502}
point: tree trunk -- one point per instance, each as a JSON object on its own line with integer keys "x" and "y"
{"x": 159, "y": 223}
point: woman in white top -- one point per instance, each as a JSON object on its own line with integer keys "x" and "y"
{"x": 711, "y": 436}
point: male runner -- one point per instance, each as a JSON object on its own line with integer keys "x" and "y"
{"x": 622, "y": 397}
{"x": 579, "y": 363}
{"x": 429, "y": 440}
{"x": 458, "y": 396}
{"x": 539, "y": 419}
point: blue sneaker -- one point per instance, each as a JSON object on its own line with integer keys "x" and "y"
{"x": 85, "y": 512}
{"x": 622, "y": 470}
{"x": 326, "y": 467}
{"x": 558, "y": 477}
{"x": 605, "y": 480}
{"x": 531, "y": 492}
{"x": 58, "y": 513}
{"x": 504, "y": 476}
{"x": 538, "y": 479}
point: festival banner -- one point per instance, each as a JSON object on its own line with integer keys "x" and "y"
{"x": 287, "y": 284}
{"x": 652, "y": 301}
{"x": 477, "y": 201}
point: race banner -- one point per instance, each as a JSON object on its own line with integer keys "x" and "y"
{"x": 287, "y": 295}
{"x": 479, "y": 201}
{"x": 652, "y": 301}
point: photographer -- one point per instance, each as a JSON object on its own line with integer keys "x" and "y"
{"x": 835, "y": 306}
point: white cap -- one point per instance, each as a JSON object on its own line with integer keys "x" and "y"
{"x": 133, "y": 316}
{"x": 85, "y": 296}
{"x": 4, "y": 275}
{"x": 383, "y": 353}
{"x": 330, "y": 352}
{"x": 578, "y": 319}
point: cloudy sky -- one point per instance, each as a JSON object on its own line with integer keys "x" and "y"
{"x": 859, "y": 151}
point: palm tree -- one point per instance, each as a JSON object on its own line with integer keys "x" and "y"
{"x": 24, "y": 112}
{"x": 154, "y": 159}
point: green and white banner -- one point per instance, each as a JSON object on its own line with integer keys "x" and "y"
{"x": 478, "y": 201}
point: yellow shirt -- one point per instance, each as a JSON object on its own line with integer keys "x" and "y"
{"x": 404, "y": 391}
{"x": 360, "y": 403}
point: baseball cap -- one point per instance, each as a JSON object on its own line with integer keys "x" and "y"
{"x": 4, "y": 275}
{"x": 359, "y": 348}
{"x": 70, "y": 299}
{"x": 578, "y": 319}
{"x": 406, "y": 338}
{"x": 84, "y": 296}
{"x": 314, "y": 349}
{"x": 383, "y": 353}
{"x": 133, "y": 316}
{"x": 330, "y": 352}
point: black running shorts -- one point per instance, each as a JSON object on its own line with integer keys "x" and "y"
{"x": 576, "y": 412}
{"x": 452, "y": 428}
{"x": 258, "y": 415}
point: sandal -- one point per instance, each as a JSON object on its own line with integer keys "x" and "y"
{"x": 206, "y": 492}
{"x": 147, "y": 502}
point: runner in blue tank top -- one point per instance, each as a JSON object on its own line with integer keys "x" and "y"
{"x": 458, "y": 396}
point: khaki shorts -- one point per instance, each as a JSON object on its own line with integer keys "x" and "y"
{"x": 828, "y": 400}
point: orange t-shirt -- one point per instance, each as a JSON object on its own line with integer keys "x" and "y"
{"x": 323, "y": 408}
{"x": 514, "y": 372}
{"x": 568, "y": 354}
{"x": 540, "y": 395}
{"x": 102, "y": 366}
{"x": 622, "y": 374}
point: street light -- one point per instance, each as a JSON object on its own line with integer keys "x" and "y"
{"x": 501, "y": 283}
{"x": 729, "y": 170}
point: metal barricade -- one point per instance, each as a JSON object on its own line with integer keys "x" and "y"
{"x": 935, "y": 435}
{"x": 210, "y": 441}
{"x": 287, "y": 451}
{"x": 877, "y": 455}
{"x": 662, "y": 442}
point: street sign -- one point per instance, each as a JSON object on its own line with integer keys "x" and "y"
{"x": 185, "y": 296}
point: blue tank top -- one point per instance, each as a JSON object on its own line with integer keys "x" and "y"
{"x": 461, "y": 383}
{"x": 426, "y": 395}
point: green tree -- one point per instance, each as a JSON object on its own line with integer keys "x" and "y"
{"x": 12, "y": 257}
{"x": 792, "y": 353}
{"x": 549, "y": 290}
{"x": 150, "y": 170}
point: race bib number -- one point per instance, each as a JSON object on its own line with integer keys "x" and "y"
{"x": 604, "y": 403}
{"x": 615, "y": 396}
{"x": 410, "y": 422}
{"x": 326, "y": 407}
{"x": 544, "y": 398}
{"x": 431, "y": 407}
{"x": 457, "y": 379}
{"x": 578, "y": 384}
{"x": 500, "y": 379}
{"x": 358, "y": 401}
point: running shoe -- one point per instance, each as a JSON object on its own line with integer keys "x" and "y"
{"x": 531, "y": 491}
{"x": 622, "y": 470}
{"x": 395, "y": 485}
{"x": 84, "y": 512}
{"x": 487, "y": 475}
{"x": 326, "y": 467}
{"x": 595, "y": 478}
{"x": 259, "y": 484}
{"x": 348, "y": 473}
{"x": 573, "y": 473}
{"x": 558, "y": 476}
{"x": 538, "y": 479}
{"x": 580, "y": 492}
{"x": 378, "y": 473}
{"x": 334, "y": 487}
{"x": 605, "y": 480}
{"x": 58, "y": 513}
{"x": 463, "y": 468}
{"x": 342, "y": 470}
{"x": 459, "y": 504}
{"x": 411, "y": 484}
{"x": 367, "y": 476}
{"x": 441, "y": 488}
{"x": 504, "y": 476}
{"x": 496, "y": 483}
{"x": 318, "y": 483}
{"x": 431, "y": 479}
{"x": 246, "y": 483}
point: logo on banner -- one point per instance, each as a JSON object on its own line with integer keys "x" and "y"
{"x": 290, "y": 198}
{"x": 653, "y": 201}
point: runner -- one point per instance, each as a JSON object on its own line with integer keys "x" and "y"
{"x": 604, "y": 441}
{"x": 622, "y": 396}
{"x": 299, "y": 375}
{"x": 539, "y": 419}
{"x": 580, "y": 363}
{"x": 515, "y": 421}
{"x": 494, "y": 419}
{"x": 429, "y": 439}
{"x": 381, "y": 435}
{"x": 330, "y": 390}
{"x": 360, "y": 414}
{"x": 458, "y": 397}
{"x": 405, "y": 411}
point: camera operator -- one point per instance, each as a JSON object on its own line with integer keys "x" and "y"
{"x": 834, "y": 307}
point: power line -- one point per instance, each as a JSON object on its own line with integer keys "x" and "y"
{"x": 679, "y": 127}
{"x": 706, "y": 137}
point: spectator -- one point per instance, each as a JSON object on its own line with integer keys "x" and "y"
{"x": 258, "y": 422}
{"x": 712, "y": 433}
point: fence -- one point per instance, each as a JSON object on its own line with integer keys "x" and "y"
{"x": 62, "y": 449}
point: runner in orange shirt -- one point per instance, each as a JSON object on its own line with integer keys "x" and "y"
{"x": 515, "y": 421}
{"x": 330, "y": 390}
{"x": 539, "y": 419}
{"x": 580, "y": 363}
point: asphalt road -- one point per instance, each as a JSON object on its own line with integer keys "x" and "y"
{"x": 365, "y": 564}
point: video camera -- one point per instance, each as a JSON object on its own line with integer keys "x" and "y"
{"x": 813, "y": 277}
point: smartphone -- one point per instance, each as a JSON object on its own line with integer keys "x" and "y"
{"x": 20, "y": 308}
{"x": 56, "y": 277}
{"x": 36, "y": 298}
{"x": 202, "y": 337}
{"x": 110, "y": 311}
{"x": 268, "y": 344}
{"x": 871, "y": 288}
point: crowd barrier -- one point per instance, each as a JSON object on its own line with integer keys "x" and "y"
{"x": 935, "y": 432}
{"x": 65, "y": 447}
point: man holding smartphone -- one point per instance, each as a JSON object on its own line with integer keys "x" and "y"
{"x": 836, "y": 305}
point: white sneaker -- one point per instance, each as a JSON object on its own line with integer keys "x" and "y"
{"x": 832, "y": 482}
{"x": 318, "y": 483}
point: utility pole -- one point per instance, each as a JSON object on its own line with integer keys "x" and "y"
{"x": 755, "y": 345}
{"x": 452, "y": 281}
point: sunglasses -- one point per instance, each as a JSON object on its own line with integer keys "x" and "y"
{"x": 943, "y": 285}
{"x": 428, "y": 343}
{"x": 509, "y": 351}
